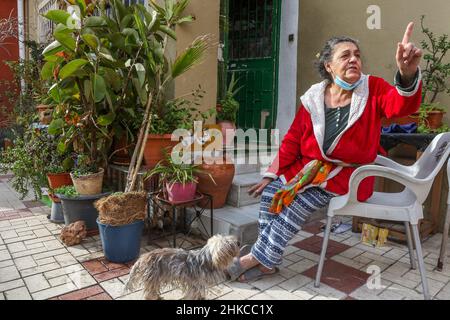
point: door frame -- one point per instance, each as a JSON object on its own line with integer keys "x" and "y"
{"x": 276, "y": 46}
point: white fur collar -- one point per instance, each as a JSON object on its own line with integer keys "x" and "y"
{"x": 313, "y": 101}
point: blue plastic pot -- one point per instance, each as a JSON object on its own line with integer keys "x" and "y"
{"x": 121, "y": 243}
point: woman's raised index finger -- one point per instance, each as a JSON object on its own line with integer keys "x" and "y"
{"x": 408, "y": 32}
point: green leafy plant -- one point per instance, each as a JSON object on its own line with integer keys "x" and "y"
{"x": 436, "y": 72}
{"x": 68, "y": 191}
{"x": 83, "y": 166}
{"x": 31, "y": 158}
{"x": 229, "y": 106}
{"x": 172, "y": 172}
{"x": 180, "y": 113}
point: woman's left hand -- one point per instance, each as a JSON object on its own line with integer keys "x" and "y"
{"x": 408, "y": 56}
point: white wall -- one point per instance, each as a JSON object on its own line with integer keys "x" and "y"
{"x": 287, "y": 66}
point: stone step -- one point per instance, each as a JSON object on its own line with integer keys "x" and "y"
{"x": 240, "y": 222}
{"x": 238, "y": 195}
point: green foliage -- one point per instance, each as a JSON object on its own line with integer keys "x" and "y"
{"x": 229, "y": 106}
{"x": 27, "y": 160}
{"x": 68, "y": 191}
{"x": 179, "y": 113}
{"x": 84, "y": 166}
{"x": 172, "y": 172}
{"x": 105, "y": 68}
{"x": 436, "y": 72}
{"x": 31, "y": 158}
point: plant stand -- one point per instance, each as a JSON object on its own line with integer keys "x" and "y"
{"x": 158, "y": 201}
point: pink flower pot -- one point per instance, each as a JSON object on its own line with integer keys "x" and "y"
{"x": 178, "y": 192}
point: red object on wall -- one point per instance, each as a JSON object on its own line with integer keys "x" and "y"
{"x": 8, "y": 51}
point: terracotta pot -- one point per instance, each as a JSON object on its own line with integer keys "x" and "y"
{"x": 45, "y": 113}
{"x": 178, "y": 192}
{"x": 230, "y": 128}
{"x": 154, "y": 147}
{"x": 56, "y": 180}
{"x": 90, "y": 184}
{"x": 434, "y": 119}
{"x": 401, "y": 120}
{"x": 222, "y": 174}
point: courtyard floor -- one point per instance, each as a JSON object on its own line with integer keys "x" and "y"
{"x": 35, "y": 264}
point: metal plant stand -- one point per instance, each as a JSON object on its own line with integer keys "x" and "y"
{"x": 157, "y": 200}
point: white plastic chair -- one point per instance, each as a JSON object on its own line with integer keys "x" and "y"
{"x": 404, "y": 206}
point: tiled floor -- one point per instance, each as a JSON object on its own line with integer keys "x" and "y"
{"x": 34, "y": 264}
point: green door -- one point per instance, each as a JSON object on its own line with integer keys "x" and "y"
{"x": 252, "y": 47}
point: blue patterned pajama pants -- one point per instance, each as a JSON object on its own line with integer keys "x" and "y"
{"x": 276, "y": 230}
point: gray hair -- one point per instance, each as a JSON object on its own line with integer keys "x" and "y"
{"x": 327, "y": 52}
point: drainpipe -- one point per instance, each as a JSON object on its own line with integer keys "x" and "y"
{"x": 21, "y": 31}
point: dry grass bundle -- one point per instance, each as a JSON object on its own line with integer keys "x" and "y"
{"x": 122, "y": 208}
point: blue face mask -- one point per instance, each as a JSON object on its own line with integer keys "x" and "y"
{"x": 345, "y": 85}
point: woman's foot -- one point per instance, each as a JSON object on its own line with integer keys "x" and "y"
{"x": 256, "y": 273}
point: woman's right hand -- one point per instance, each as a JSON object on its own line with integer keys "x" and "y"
{"x": 257, "y": 189}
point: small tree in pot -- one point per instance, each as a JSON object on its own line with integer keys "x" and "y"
{"x": 435, "y": 79}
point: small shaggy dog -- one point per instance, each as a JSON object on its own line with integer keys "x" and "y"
{"x": 191, "y": 271}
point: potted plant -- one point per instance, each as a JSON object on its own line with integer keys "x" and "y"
{"x": 178, "y": 179}
{"x": 227, "y": 111}
{"x": 79, "y": 207}
{"x": 87, "y": 178}
{"x": 435, "y": 77}
{"x": 121, "y": 221}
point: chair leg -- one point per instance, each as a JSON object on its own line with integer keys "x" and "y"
{"x": 422, "y": 269}
{"x": 326, "y": 236}
{"x": 410, "y": 245}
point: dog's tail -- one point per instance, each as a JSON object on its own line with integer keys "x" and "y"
{"x": 133, "y": 278}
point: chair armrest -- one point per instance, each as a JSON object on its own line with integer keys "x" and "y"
{"x": 386, "y": 162}
{"x": 418, "y": 186}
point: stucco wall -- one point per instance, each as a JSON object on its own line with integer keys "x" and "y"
{"x": 205, "y": 74}
{"x": 321, "y": 19}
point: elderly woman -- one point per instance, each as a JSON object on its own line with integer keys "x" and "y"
{"x": 337, "y": 128}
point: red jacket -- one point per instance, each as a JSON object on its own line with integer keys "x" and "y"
{"x": 357, "y": 144}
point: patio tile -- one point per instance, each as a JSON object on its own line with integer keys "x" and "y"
{"x": 83, "y": 293}
{"x": 54, "y": 291}
{"x": 32, "y": 203}
{"x": 111, "y": 274}
{"x": 114, "y": 287}
{"x": 339, "y": 276}
{"x": 5, "y": 286}
{"x": 18, "y": 294}
{"x": 314, "y": 244}
{"x": 94, "y": 267}
{"x": 313, "y": 227}
{"x": 101, "y": 296}
{"x": 8, "y": 274}
{"x": 295, "y": 282}
{"x": 36, "y": 283}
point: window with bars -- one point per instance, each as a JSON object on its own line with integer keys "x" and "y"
{"x": 45, "y": 26}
